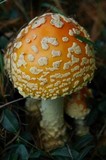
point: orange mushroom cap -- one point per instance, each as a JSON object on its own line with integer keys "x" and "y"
{"x": 46, "y": 60}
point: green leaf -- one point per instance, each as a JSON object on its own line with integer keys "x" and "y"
{"x": 17, "y": 152}
{"x": 22, "y": 152}
{"x": 4, "y": 42}
{"x": 36, "y": 154}
{"x": 26, "y": 136}
{"x": 75, "y": 154}
{"x": 83, "y": 39}
{"x": 13, "y": 156}
{"x": 52, "y": 7}
{"x": 7, "y": 156}
{"x": 63, "y": 152}
{"x": 83, "y": 141}
{"x": 10, "y": 121}
{"x": 62, "y": 158}
{"x": 85, "y": 152}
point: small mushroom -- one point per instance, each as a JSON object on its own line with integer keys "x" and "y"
{"x": 48, "y": 62}
{"x": 77, "y": 108}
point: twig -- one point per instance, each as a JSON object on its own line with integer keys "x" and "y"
{"x": 28, "y": 142}
{"x": 9, "y": 23}
{"x": 14, "y": 138}
{"x": 21, "y": 9}
{"x": 4, "y": 105}
{"x": 58, "y": 4}
{"x": 101, "y": 131}
{"x": 69, "y": 151}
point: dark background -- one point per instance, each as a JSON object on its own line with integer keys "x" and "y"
{"x": 20, "y": 144}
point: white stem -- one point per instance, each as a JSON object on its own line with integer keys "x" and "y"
{"x": 52, "y": 123}
{"x": 81, "y": 128}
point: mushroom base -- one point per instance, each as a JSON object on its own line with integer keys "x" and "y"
{"x": 53, "y": 129}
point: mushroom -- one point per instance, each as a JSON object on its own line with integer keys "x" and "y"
{"x": 47, "y": 62}
{"x": 77, "y": 108}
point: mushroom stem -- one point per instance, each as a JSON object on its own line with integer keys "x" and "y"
{"x": 77, "y": 108}
{"x": 32, "y": 105}
{"x": 52, "y": 123}
{"x": 81, "y": 127}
